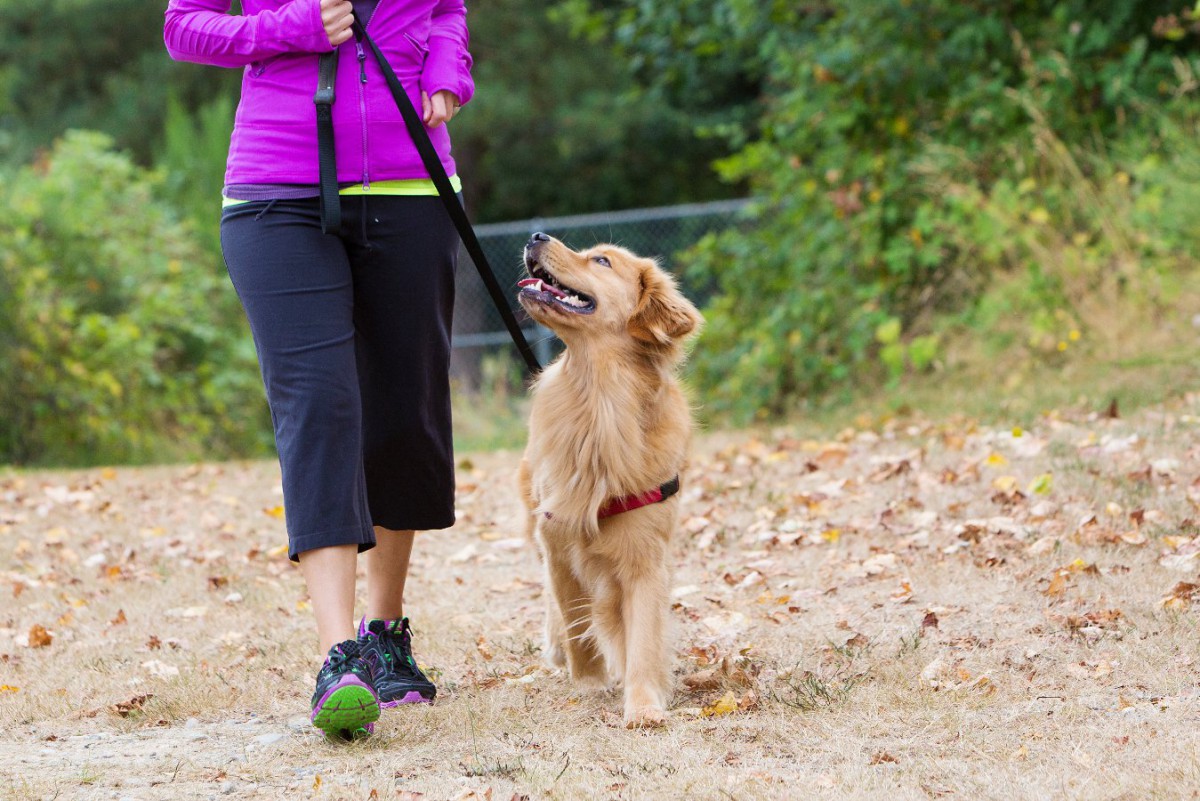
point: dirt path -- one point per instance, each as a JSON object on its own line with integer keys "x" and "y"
{"x": 918, "y": 610}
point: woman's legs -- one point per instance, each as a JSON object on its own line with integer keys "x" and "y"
{"x": 403, "y": 252}
{"x": 387, "y": 569}
{"x": 296, "y": 286}
{"x": 353, "y": 336}
{"x": 329, "y": 575}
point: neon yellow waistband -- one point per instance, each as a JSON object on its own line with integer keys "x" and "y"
{"x": 412, "y": 187}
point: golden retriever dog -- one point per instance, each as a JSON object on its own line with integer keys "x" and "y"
{"x": 609, "y": 429}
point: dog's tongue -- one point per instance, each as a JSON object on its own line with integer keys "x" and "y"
{"x": 538, "y": 285}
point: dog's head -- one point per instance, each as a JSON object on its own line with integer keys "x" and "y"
{"x": 604, "y": 290}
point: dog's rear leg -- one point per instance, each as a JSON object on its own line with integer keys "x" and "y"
{"x": 575, "y": 607}
{"x": 647, "y": 674}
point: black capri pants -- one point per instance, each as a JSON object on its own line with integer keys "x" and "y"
{"x": 353, "y": 338}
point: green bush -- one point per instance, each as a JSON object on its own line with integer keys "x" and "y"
{"x": 120, "y": 340}
{"x": 990, "y": 164}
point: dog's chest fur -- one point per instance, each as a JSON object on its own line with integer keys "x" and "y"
{"x": 600, "y": 431}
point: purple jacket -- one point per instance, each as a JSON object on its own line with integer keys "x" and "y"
{"x": 277, "y": 42}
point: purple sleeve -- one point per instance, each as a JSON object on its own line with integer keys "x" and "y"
{"x": 448, "y": 66}
{"x": 204, "y": 32}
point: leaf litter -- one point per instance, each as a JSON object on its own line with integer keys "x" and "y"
{"x": 880, "y": 573}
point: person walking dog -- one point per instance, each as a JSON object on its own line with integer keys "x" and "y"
{"x": 352, "y": 327}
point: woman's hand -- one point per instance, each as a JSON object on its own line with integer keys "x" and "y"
{"x": 440, "y": 108}
{"x": 338, "y": 16}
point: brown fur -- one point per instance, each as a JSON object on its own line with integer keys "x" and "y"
{"x": 609, "y": 419}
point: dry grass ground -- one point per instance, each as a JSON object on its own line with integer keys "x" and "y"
{"x": 907, "y": 610}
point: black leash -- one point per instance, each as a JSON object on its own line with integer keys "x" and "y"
{"x": 330, "y": 201}
{"x": 331, "y": 206}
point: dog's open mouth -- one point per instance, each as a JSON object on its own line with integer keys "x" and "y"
{"x": 545, "y": 288}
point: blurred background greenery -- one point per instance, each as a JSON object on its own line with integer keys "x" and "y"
{"x": 962, "y": 205}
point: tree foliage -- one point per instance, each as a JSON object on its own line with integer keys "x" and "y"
{"x": 94, "y": 64}
{"x": 558, "y": 126}
{"x": 908, "y": 153}
{"x": 119, "y": 340}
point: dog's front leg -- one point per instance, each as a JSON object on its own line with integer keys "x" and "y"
{"x": 647, "y": 672}
{"x": 574, "y": 608}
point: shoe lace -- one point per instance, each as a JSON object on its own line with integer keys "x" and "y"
{"x": 341, "y": 654}
{"x": 396, "y": 640}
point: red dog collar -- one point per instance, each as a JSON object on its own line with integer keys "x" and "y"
{"x": 630, "y": 502}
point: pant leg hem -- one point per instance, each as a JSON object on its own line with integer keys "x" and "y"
{"x": 417, "y": 524}
{"x": 363, "y": 538}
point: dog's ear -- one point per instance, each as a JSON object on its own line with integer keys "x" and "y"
{"x": 663, "y": 315}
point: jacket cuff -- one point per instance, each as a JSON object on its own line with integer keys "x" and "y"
{"x": 447, "y": 67}
{"x": 320, "y": 41}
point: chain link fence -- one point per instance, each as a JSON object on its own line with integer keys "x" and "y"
{"x": 661, "y": 232}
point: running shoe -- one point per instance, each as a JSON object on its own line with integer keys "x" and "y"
{"x": 345, "y": 705}
{"x": 386, "y": 647}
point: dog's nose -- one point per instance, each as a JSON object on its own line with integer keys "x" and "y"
{"x": 538, "y": 237}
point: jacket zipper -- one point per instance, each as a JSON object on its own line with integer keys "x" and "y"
{"x": 362, "y": 93}
{"x": 362, "y": 107}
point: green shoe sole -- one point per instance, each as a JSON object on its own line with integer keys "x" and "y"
{"x": 349, "y": 708}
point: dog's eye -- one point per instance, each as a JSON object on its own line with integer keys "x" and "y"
{"x": 602, "y": 261}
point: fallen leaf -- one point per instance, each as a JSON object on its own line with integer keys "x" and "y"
{"x": 275, "y": 512}
{"x": 474, "y": 795}
{"x": 722, "y": 706}
{"x": 932, "y": 674}
{"x": 1133, "y": 537}
{"x": 889, "y": 470}
{"x": 1181, "y": 596}
{"x": 485, "y": 650}
{"x": 1057, "y": 585}
{"x": 832, "y": 455}
{"x": 1004, "y": 483}
{"x": 39, "y": 637}
{"x": 134, "y": 704}
{"x": 1043, "y": 545}
{"x": 880, "y": 757}
{"x": 1042, "y": 485}
{"x": 120, "y": 619}
{"x": 714, "y": 678}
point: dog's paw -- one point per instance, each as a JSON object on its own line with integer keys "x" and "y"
{"x": 647, "y": 717}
